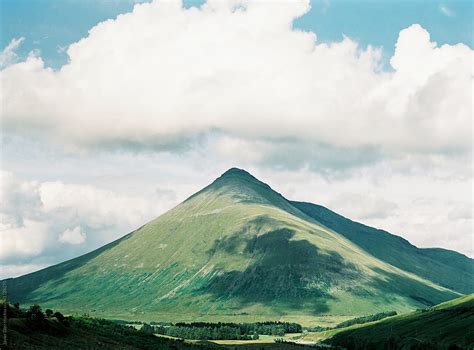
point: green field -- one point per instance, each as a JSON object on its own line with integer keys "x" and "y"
{"x": 238, "y": 251}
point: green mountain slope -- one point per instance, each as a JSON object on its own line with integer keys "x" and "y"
{"x": 235, "y": 250}
{"x": 444, "y": 267}
{"x": 445, "y": 325}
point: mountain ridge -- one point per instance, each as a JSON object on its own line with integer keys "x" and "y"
{"x": 354, "y": 231}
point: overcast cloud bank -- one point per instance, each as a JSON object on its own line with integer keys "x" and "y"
{"x": 164, "y": 74}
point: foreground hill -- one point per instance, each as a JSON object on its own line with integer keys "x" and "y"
{"x": 237, "y": 250}
{"x": 448, "y": 325}
{"x": 34, "y": 330}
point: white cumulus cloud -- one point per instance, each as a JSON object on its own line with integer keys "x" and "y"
{"x": 35, "y": 216}
{"x": 163, "y": 74}
{"x": 26, "y": 240}
{"x": 73, "y": 236}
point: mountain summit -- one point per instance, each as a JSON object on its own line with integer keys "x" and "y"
{"x": 237, "y": 172}
{"x": 239, "y": 250}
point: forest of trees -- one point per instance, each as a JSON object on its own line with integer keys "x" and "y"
{"x": 224, "y": 331}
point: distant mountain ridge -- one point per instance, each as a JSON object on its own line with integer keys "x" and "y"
{"x": 448, "y": 268}
{"x": 238, "y": 249}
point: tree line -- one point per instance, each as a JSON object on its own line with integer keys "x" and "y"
{"x": 224, "y": 331}
{"x": 365, "y": 319}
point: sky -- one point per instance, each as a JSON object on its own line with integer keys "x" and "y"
{"x": 50, "y": 26}
{"x": 115, "y": 111}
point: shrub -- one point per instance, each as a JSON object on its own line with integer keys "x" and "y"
{"x": 59, "y": 316}
{"x": 146, "y": 328}
{"x": 35, "y": 313}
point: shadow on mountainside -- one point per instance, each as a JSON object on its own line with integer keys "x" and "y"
{"x": 446, "y": 268}
{"x": 297, "y": 274}
{"x": 284, "y": 271}
{"x": 418, "y": 294}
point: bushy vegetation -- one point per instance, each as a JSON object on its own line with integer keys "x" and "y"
{"x": 365, "y": 319}
{"x": 225, "y": 331}
{"x": 142, "y": 339}
{"x": 34, "y": 319}
{"x": 317, "y": 329}
{"x": 32, "y": 328}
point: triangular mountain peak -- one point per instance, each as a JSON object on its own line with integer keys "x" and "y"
{"x": 244, "y": 187}
{"x": 238, "y": 186}
{"x": 236, "y": 174}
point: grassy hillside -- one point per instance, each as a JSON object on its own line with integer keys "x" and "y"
{"x": 444, "y": 326}
{"x": 235, "y": 251}
{"x": 444, "y": 267}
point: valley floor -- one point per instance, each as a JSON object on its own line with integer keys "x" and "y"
{"x": 447, "y": 326}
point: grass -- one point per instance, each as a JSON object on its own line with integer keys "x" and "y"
{"x": 447, "y": 324}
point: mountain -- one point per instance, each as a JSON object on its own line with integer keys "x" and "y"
{"x": 238, "y": 250}
{"x": 447, "y": 325}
